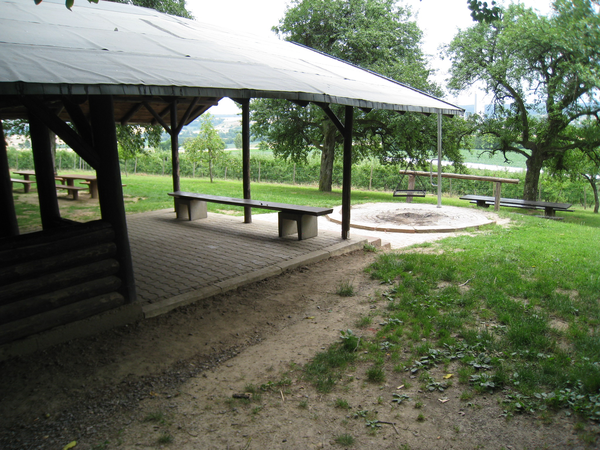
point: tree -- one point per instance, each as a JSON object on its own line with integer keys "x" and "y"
{"x": 206, "y": 147}
{"x": 238, "y": 141}
{"x": 134, "y": 140}
{"x": 543, "y": 73}
{"x": 373, "y": 34}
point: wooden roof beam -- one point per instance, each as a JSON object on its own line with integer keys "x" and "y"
{"x": 132, "y": 112}
{"x": 157, "y": 117}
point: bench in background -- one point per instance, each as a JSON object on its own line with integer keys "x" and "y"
{"x": 73, "y": 190}
{"x": 292, "y": 218}
{"x": 548, "y": 207}
{"x": 26, "y": 183}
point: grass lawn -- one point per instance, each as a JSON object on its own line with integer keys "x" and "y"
{"x": 514, "y": 310}
{"x": 149, "y": 193}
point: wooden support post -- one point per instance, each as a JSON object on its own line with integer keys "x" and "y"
{"x": 9, "y": 225}
{"x": 497, "y": 190}
{"x": 347, "y": 172}
{"x": 246, "y": 157}
{"x": 112, "y": 206}
{"x": 44, "y": 173}
{"x": 439, "y": 150}
{"x": 175, "y": 147}
{"x": 411, "y": 186}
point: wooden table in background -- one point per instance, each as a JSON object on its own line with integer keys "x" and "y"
{"x": 93, "y": 181}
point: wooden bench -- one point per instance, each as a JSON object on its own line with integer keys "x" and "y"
{"x": 548, "y": 207}
{"x": 26, "y": 183}
{"x": 73, "y": 190}
{"x": 292, "y": 218}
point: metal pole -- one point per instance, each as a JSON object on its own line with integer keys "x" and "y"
{"x": 439, "y": 148}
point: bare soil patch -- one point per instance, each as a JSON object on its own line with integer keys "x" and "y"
{"x": 169, "y": 382}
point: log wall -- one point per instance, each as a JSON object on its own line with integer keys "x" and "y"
{"x": 55, "y": 277}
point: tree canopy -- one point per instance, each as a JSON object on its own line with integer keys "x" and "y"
{"x": 544, "y": 75}
{"x": 374, "y": 34}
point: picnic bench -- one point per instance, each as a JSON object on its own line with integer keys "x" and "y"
{"x": 73, "y": 190}
{"x": 292, "y": 218}
{"x": 26, "y": 183}
{"x": 548, "y": 207}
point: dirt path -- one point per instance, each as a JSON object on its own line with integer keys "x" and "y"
{"x": 169, "y": 382}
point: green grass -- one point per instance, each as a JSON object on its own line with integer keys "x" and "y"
{"x": 144, "y": 193}
{"x": 344, "y": 440}
{"x": 477, "y": 156}
{"x": 535, "y": 284}
{"x": 516, "y": 307}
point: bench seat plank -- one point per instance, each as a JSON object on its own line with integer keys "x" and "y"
{"x": 312, "y": 210}
{"x": 26, "y": 184}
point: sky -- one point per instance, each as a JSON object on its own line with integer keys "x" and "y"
{"x": 438, "y": 19}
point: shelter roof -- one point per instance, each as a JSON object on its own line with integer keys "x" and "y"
{"x": 140, "y": 55}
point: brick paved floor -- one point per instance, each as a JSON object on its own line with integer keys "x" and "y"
{"x": 176, "y": 259}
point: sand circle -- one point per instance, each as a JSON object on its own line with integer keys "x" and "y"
{"x": 412, "y": 217}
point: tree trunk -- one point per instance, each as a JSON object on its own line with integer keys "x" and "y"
{"x": 53, "y": 150}
{"x": 532, "y": 177}
{"x": 327, "y": 156}
{"x": 592, "y": 180}
{"x": 210, "y": 170}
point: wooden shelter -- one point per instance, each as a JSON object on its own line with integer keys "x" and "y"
{"x": 78, "y": 73}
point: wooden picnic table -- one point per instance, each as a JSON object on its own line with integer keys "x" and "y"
{"x": 69, "y": 179}
{"x": 26, "y": 182}
{"x": 496, "y": 180}
{"x": 25, "y": 173}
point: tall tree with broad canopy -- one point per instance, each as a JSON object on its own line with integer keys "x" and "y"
{"x": 373, "y": 34}
{"x": 544, "y": 75}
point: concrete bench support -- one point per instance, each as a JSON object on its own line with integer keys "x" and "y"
{"x": 306, "y": 226}
{"x": 190, "y": 209}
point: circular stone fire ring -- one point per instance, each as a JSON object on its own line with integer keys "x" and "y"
{"x": 412, "y": 218}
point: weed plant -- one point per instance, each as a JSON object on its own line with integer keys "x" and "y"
{"x": 345, "y": 289}
{"x": 344, "y": 440}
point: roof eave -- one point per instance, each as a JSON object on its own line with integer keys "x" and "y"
{"x": 20, "y": 88}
